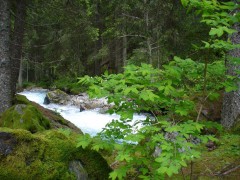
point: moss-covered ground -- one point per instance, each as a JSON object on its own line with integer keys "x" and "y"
{"x": 221, "y": 163}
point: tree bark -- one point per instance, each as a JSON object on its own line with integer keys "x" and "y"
{"x": 98, "y": 45}
{"x": 5, "y": 68}
{"x": 231, "y": 100}
{"x": 124, "y": 52}
{"x": 17, "y": 41}
{"x": 20, "y": 78}
{"x": 118, "y": 60}
{"x": 149, "y": 47}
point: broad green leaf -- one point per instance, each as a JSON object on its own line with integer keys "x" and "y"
{"x": 84, "y": 140}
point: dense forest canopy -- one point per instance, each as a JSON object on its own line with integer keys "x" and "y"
{"x": 74, "y": 38}
{"x": 176, "y": 60}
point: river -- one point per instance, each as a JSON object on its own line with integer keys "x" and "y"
{"x": 89, "y": 121}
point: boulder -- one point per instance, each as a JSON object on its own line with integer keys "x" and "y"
{"x": 50, "y": 154}
{"x": 81, "y": 100}
{"x": 58, "y": 97}
{"x": 56, "y": 121}
{"x": 24, "y": 117}
{"x": 35, "y": 147}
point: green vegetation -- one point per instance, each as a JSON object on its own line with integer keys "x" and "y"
{"x": 37, "y": 143}
{"x": 159, "y": 60}
{"x": 69, "y": 85}
{"x": 23, "y": 116}
{"x": 161, "y": 144}
{"x": 175, "y": 95}
{"x": 46, "y": 155}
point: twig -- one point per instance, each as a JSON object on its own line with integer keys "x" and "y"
{"x": 231, "y": 170}
{"x": 199, "y": 112}
{"x": 113, "y": 163}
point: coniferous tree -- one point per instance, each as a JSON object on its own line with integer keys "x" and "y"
{"x": 5, "y": 66}
{"x": 231, "y": 100}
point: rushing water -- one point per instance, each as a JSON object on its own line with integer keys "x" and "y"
{"x": 89, "y": 121}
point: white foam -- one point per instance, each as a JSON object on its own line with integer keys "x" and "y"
{"x": 89, "y": 121}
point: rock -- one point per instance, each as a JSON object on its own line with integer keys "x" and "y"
{"x": 7, "y": 143}
{"x": 56, "y": 121}
{"x": 211, "y": 145}
{"x": 46, "y": 100}
{"x": 24, "y": 117}
{"x": 48, "y": 154}
{"x": 58, "y": 97}
{"x": 77, "y": 168}
{"x": 82, "y": 108}
{"x": 81, "y": 100}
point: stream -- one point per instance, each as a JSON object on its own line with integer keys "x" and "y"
{"x": 89, "y": 121}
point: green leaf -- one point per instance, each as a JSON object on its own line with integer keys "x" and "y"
{"x": 123, "y": 156}
{"x": 214, "y": 96}
{"x": 216, "y": 31}
{"x": 84, "y": 140}
{"x": 130, "y": 89}
{"x": 118, "y": 173}
{"x": 148, "y": 95}
{"x": 184, "y": 2}
{"x": 162, "y": 170}
{"x": 183, "y": 163}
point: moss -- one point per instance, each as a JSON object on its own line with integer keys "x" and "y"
{"x": 213, "y": 164}
{"x": 236, "y": 127}
{"x": 57, "y": 92}
{"x": 20, "y": 99}
{"x": 24, "y": 117}
{"x": 54, "y": 118}
{"x": 94, "y": 164}
{"x": 47, "y": 155}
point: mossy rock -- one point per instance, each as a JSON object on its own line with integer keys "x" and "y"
{"x": 22, "y": 116}
{"x": 58, "y": 96}
{"x": 47, "y": 155}
{"x": 20, "y": 99}
{"x": 55, "y": 119}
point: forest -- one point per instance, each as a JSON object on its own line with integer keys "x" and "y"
{"x": 166, "y": 73}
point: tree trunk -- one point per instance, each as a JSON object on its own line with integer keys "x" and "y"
{"x": 17, "y": 41}
{"x": 98, "y": 45}
{"x": 20, "y": 76}
{"x": 124, "y": 52}
{"x": 5, "y": 68}
{"x": 231, "y": 100}
{"x": 149, "y": 46}
{"x": 118, "y": 60}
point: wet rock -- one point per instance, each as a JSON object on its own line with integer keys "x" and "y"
{"x": 7, "y": 143}
{"x": 82, "y": 108}
{"x": 46, "y": 100}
